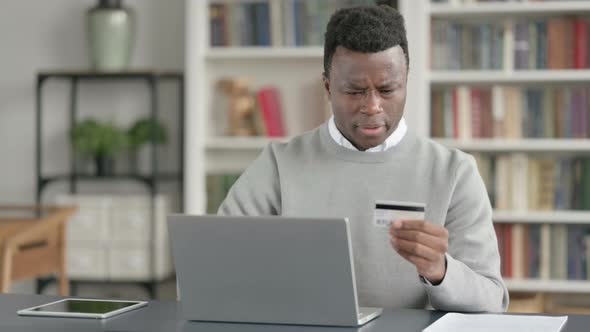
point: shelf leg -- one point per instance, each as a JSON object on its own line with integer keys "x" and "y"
{"x": 73, "y": 161}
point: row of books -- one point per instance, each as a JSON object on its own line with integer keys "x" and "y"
{"x": 555, "y": 43}
{"x": 519, "y": 182}
{"x": 217, "y": 186}
{"x": 458, "y": 45}
{"x": 273, "y": 23}
{"x": 240, "y": 24}
{"x": 544, "y": 251}
{"x": 512, "y": 112}
{"x": 547, "y": 43}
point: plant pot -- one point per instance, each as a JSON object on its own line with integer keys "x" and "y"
{"x": 111, "y": 34}
{"x": 104, "y": 165}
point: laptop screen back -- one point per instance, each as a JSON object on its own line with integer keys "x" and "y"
{"x": 264, "y": 269}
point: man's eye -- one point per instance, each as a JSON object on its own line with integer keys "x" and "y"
{"x": 355, "y": 93}
{"x": 386, "y": 92}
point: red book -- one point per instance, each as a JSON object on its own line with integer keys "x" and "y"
{"x": 476, "y": 113}
{"x": 508, "y": 249}
{"x": 569, "y": 40}
{"x": 580, "y": 43}
{"x": 270, "y": 106}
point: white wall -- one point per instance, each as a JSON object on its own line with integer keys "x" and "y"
{"x": 50, "y": 35}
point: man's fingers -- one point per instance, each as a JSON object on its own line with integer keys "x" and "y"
{"x": 419, "y": 225}
{"x": 440, "y": 244}
{"x": 416, "y": 249}
{"x": 421, "y": 264}
{"x": 423, "y": 244}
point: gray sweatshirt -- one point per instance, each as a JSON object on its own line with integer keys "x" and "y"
{"x": 313, "y": 176}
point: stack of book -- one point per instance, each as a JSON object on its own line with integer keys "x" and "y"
{"x": 521, "y": 182}
{"x": 544, "y": 251}
{"x": 545, "y": 43}
{"x": 272, "y": 23}
{"x": 465, "y": 112}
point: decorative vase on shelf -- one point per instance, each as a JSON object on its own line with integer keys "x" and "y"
{"x": 111, "y": 35}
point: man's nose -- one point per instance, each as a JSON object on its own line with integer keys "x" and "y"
{"x": 372, "y": 103}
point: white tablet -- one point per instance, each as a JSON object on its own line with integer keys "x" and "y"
{"x": 83, "y": 308}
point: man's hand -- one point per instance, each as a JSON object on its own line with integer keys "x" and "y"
{"x": 423, "y": 244}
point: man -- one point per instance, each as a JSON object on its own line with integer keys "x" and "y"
{"x": 365, "y": 153}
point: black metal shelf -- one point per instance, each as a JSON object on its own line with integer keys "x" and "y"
{"x": 126, "y": 74}
{"x": 152, "y": 78}
{"x": 148, "y": 180}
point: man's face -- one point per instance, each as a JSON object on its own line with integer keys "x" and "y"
{"x": 368, "y": 93}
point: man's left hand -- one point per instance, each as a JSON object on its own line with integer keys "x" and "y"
{"x": 423, "y": 244}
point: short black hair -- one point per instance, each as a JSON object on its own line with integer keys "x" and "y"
{"x": 365, "y": 29}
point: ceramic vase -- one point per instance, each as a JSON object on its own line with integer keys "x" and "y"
{"x": 111, "y": 34}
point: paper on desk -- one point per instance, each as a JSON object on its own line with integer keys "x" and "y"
{"x": 488, "y": 322}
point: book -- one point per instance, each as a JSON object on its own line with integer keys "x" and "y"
{"x": 218, "y": 24}
{"x": 269, "y": 102}
{"x": 217, "y": 187}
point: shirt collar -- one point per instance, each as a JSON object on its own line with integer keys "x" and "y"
{"x": 390, "y": 142}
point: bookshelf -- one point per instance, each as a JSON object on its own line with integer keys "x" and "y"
{"x": 539, "y": 273}
{"x": 494, "y": 9}
{"x": 530, "y": 77}
{"x": 548, "y": 286}
{"x": 247, "y": 143}
{"x": 295, "y": 71}
{"x": 231, "y": 155}
{"x": 542, "y": 217}
{"x": 529, "y": 145}
{"x": 260, "y": 53}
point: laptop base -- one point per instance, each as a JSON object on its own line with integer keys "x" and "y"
{"x": 367, "y": 314}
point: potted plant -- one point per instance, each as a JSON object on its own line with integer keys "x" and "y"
{"x": 99, "y": 141}
{"x": 143, "y": 132}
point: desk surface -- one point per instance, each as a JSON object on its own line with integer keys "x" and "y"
{"x": 163, "y": 316}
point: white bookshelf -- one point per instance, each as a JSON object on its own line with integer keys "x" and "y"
{"x": 548, "y": 286}
{"x": 517, "y": 77}
{"x": 233, "y": 155}
{"x": 532, "y": 145}
{"x": 263, "y": 53}
{"x": 295, "y": 71}
{"x": 542, "y": 217}
{"x": 457, "y": 10}
{"x": 241, "y": 143}
{"x": 506, "y": 13}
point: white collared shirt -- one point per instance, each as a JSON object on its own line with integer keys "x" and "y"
{"x": 390, "y": 142}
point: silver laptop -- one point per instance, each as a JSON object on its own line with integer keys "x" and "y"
{"x": 266, "y": 270}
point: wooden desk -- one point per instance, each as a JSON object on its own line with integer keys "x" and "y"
{"x": 32, "y": 244}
